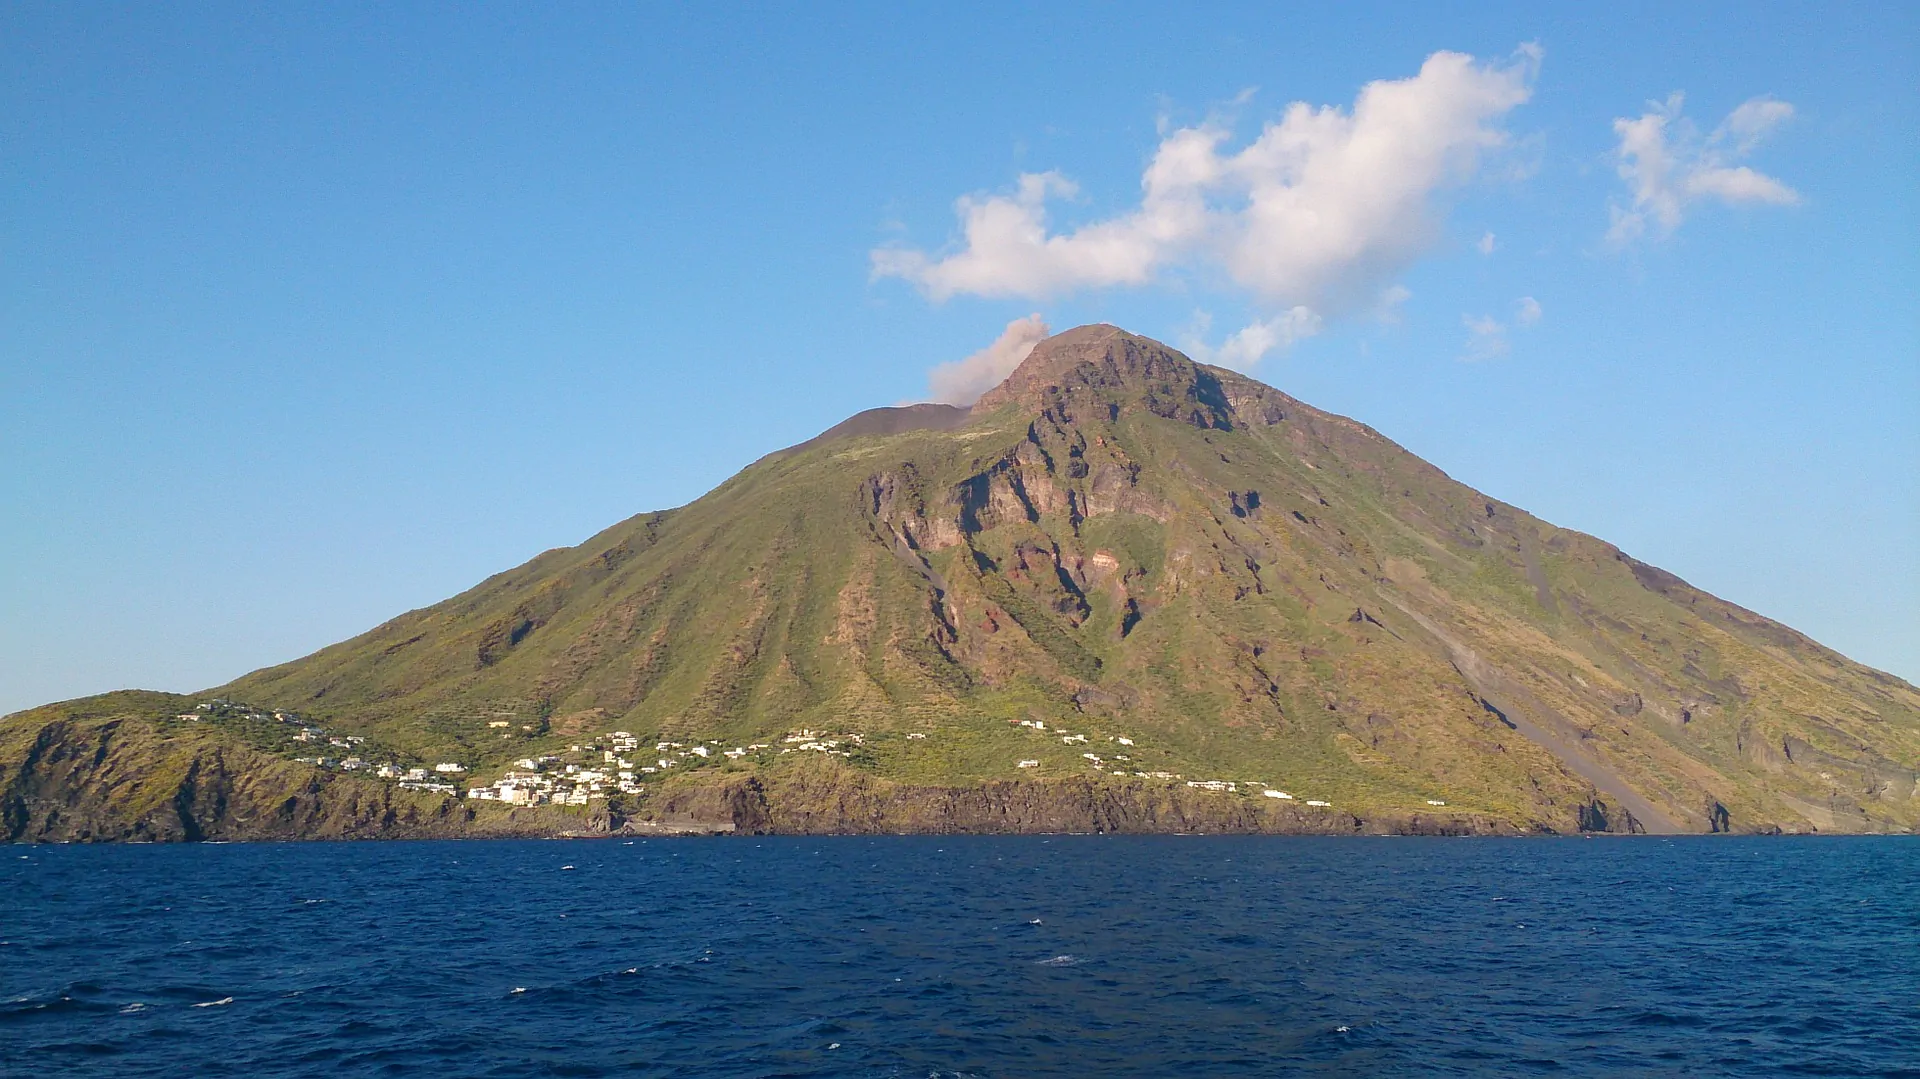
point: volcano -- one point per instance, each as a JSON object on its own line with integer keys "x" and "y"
{"x": 1124, "y": 591}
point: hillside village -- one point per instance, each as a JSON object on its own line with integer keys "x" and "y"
{"x": 349, "y": 752}
{"x": 619, "y": 762}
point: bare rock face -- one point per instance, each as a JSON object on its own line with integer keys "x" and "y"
{"x": 817, "y": 804}
{"x": 1123, "y": 592}
{"x": 1092, "y": 371}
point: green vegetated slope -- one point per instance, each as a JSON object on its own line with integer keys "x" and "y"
{"x": 1121, "y": 543}
{"x": 130, "y": 766}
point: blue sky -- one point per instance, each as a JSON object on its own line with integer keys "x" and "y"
{"x": 311, "y": 315}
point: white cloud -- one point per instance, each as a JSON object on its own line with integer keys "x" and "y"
{"x": 1485, "y": 246}
{"x": 1246, "y": 347}
{"x": 1010, "y": 254}
{"x": 1487, "y": 337}
{"x": 1740, "y": 184}
{"x": 963, "y": 381}
{"x": 1667, "y": 165}
{"x": 1751, "y": 121}
{"x": 1387, "y": 307}
{"x": 1324, "y": 207}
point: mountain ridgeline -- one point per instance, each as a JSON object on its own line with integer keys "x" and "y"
{"x": 1124, "y": 592}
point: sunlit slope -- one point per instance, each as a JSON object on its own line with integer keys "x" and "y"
{"x": 135, "y": 766}
{"x": 1123, "y": 543}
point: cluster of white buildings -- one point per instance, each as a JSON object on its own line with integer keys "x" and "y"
{"x": 439, "y": 781}
{"x": 336, "y": 751}
{"x": 1229, "y": 787}
{"x": 808, "y": 741}
{"x": 410, "y": 778}
{"x": 1094, "y": 760}
{"x": 621, "y": 767}
{"x": 577, "y": 777}
{"x": 1122, "y": 765}
{"x": 303, "y": 730}
{"x": 342, "y": 752}
{"x": 1270, "y": 792}
{"x": 553, "y": 780}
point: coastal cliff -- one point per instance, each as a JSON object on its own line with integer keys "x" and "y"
{"x": 115, "y": 769}
{"x": 109, "y": 769}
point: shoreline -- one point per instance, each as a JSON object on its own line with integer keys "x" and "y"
{"x": 695, "y": 833}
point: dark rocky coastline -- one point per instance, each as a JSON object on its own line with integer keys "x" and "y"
{"x": 84, "y": 782}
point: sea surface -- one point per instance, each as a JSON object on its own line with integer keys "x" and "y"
{"x": 1030, "y": 956}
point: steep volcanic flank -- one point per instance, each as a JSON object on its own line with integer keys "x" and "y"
{"x": 1148, "y": 579}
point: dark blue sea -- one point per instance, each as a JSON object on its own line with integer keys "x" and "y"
{"x": 914, "y": 957}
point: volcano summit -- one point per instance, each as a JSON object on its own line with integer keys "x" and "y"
{"x": 1123, "y": 592}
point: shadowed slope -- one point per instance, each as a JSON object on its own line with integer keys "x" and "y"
{"x": 890, "y": 420}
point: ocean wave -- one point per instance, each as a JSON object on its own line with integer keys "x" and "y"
{"x": 916, "y": 964}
